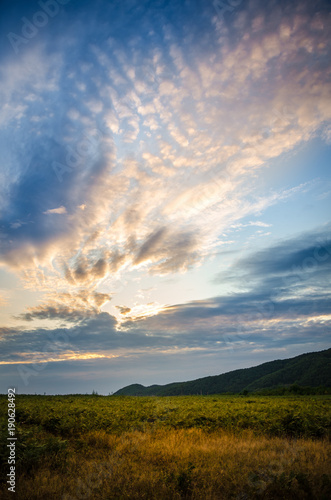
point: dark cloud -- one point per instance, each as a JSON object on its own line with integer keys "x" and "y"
{"x": 182, "y": 250}
{"x": 123, "y": 309}
{"x": 71, "y": 307}
{"x": 152, "y": 245}
{"x": 57, "y": 312}
{"x": 101, "y": 298}
{"x": 190, "y": 326}
{"x": 90, "y": 268}
{"x": 294, "y": 257}
{"x": 170, "y": 250}
{"x": 297, "y": 266}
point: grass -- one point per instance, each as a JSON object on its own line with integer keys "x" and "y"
{"x": 165, "y": 449}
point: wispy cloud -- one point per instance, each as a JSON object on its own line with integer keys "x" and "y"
{"x": 59, "y": 210}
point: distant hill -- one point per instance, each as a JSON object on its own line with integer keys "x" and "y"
{"x": 312, "y": 369}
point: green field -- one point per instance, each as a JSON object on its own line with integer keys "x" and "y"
{"x": 194, "y": 447}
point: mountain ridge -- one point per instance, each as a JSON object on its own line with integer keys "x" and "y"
{"x": 310, "y": 369}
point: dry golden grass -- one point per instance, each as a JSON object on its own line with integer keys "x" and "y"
{"x": 181, "y": 464}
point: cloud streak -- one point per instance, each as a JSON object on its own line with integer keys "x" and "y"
{"x": 60, "y": 210}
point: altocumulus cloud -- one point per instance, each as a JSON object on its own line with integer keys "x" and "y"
{"x": 188, "y": 98}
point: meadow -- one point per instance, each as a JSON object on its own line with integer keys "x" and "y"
{"x": 180, "y": 447}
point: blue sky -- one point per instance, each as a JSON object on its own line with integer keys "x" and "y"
{"x": 164, "y": 189}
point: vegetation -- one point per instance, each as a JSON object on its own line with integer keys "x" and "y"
{"x": 311, "y": 369}
{"x": 197, "y": 447}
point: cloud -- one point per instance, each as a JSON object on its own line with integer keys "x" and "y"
{"x": 3, "y": 298}
{"x": 60, "y": 210}
{"x": 150, "y": 144}
{"x": 250, "y": 223}
{"x": 123, "y": 309}
{"x": 58, "y": 311}
{"x": 293, "y": 262}
{"x": 71, "y": 307}
{"x": 260, "y": 318}
{"x": 150, "y": 245}
{"x": 281, "y": 289}
{"x": 203, "y": 326}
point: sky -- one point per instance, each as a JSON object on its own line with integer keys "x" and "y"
{"x": 165, "y": 189}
